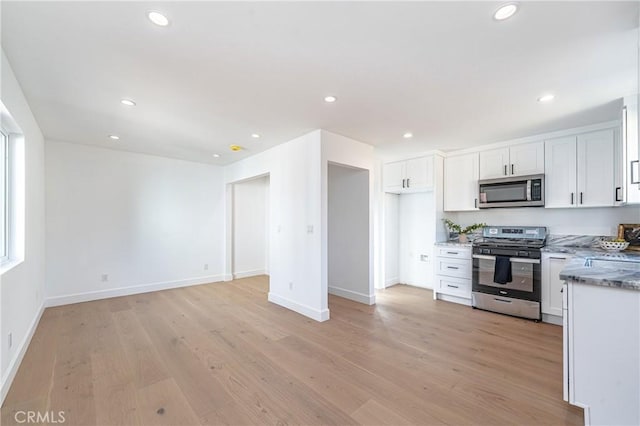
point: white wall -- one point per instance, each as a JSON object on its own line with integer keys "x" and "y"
{"x": 416, "y": 230}
{"x": 147, "y": 222}
{"x": 348, "y": 233}
{"x": 250, "y": 227}
{"x": 295, "y": 222}
{"x": 588, "y": 221}
{"x": 22, "y": 288}
{"x": 391, "y": 239}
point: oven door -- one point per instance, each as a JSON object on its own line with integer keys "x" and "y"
{"x": 525, "y": 283}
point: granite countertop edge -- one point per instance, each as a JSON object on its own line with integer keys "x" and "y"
{"x": 577, "y": 271}
{"x": 452, "y": 244}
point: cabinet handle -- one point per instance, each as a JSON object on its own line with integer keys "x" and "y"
{"x": 617, "y": 194}
{"x": 581, "y": 198}
{"x": 452, "y": 286}
{"x": 452, "y": 252}
{"x": 562, "y": 290}
{"x": 572, "y": 198}
{"x": 452, "y": 267}
{"x": 512, "y": 172}
{"x": 557, "y": 258}
{"x": 403, "y": 182}
{"x": 408, "y": 182}
{"x": 505, "y": 169}
{"x": 476, "y": 203}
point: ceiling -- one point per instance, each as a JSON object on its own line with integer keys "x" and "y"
{"x": 444, "y": 71}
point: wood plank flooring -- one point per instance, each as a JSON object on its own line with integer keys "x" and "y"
{"x": 221, "y": 354}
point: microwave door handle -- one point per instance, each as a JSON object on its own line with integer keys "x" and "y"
{"x": 529, "y": 190}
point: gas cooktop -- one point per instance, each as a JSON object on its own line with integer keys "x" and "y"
{"x": 532, "y": 237}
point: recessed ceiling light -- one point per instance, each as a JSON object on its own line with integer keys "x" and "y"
{"x": 505, "y": 11}
{"x": 127, "y": 102}
{"x": 216, "y": 155}
{"x": 235, "y": 148}
{"x": 114, "y": 137}
{"x": 158, "y": 18}
{"x": 330, "y": 99}
{"x": 408, "y": 135}
{"x": 546, "y": 98}
{"x": 255, "y": 135}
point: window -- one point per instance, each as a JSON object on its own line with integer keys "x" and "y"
{"x": 4, "y": 196}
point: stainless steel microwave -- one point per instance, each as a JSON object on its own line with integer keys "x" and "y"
{"x": 513, "y": 191}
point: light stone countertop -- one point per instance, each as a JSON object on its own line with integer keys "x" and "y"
{"x": 599, "y": 267}
{"x": 453, "y": 244}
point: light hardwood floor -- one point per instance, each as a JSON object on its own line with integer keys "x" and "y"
{"x": 221, "y": 354}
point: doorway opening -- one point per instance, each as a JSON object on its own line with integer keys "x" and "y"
{"x": 250, "y": 227}
{"x": 348, "y": 236}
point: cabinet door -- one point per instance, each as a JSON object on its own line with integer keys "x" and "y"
{"x": 461, "y": 182}
{"x": 560, "y": 172}
{"x": 596, "y": 185}
{"x": 552, "y": 285}
{"x": 419, "y": 173}
{"x": 494, "y": 163}
{"x": 393, "y": 176}
{"x": 526, "y": 159}
{"x": 631, "y": 147}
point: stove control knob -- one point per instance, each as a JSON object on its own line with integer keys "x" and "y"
{"x": 523, "y": 253}
{"x": 486, "y": 251}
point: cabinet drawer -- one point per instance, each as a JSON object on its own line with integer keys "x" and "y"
{"x": 453, "y": 267}
{"x": 454, "y": 252}
{"x": 454, "y": 286}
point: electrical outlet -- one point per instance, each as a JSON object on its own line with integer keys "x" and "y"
{"x": 105, "y": 278}
{"x": 424, "y": 258}
{"x": 10, "y": 340}
{"x": 206, "y": 266}
{"x": 290, "y": 285}
{"x": 309, "y": 229}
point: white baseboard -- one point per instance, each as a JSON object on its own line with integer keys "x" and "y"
{"x": 454, "y": 299}
{"x": 305, "y": 310}
{"x": 228, "y": 277}
{"x": 127, "y": 291}
{"x": 391, "y": 282}
{"x": 367, "y": 299}
{"x": 552, "y": 319}
{"x": 14, "y": 364}
{"x": 247, "y": 274}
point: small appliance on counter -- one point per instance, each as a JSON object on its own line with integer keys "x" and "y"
{"x": 506, "y": 275}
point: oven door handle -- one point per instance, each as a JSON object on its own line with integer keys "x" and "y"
{"x": 512, "y": 259}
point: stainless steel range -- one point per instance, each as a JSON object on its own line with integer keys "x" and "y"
{"x": 506, "y": 270}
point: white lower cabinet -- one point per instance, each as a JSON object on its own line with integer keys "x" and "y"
{"x": 601, "y": 353}
{"x": 551, "y": 297}
{"x": 453, "y": 273}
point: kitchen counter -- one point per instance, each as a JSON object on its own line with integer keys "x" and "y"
{"x": 452, "y": 244}
{"x": 603, "y": 268}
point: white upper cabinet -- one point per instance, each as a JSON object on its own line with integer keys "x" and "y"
{"x": 527, "y": 159}
{"x": 596, "y": 185}
{"x": 515, "y": 160}
{"x": 461, "y": 174}
{"x": 630, "y": 150}
{"x": 394, "y": 176}
{"x": 560, "y": 176}
{"x": 409, "y": 176}
{"x": 580, "y": 170}
{"x": 494, "y": 163}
